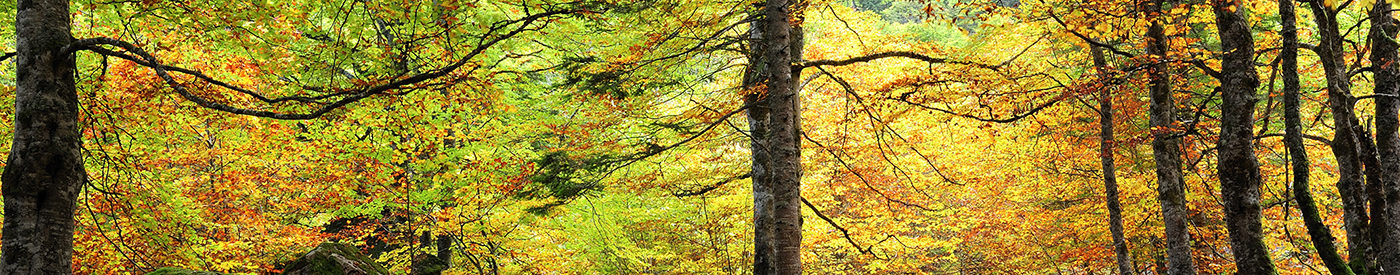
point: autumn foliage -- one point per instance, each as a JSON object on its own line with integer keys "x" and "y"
{"x": 936, "y": 136}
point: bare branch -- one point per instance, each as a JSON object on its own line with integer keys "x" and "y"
{"x": 6, "y": 56}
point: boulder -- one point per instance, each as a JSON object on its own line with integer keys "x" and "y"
{"x": 180, "y": 271}
{"x": 425, "y": 264}
{"x": 334, "y": 259}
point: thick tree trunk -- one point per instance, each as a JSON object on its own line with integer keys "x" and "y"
{"x": 1346, "y": 140}
{"x": 1386, "y": 225}
{"x": 45, "y": 169}
{"x": 1238, "y": 167}
{"x": 1110, "y": 181}
{"x": 758, "y": 102}
{"x": 786, "y": 168}
{"x": 1318, "y": 232}
{"x": 1166, "y": 151}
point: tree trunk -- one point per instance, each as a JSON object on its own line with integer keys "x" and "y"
{"x": 1346, "y": 140}
{"x": 786, "y": 166}
{"x": 757, "y": 112}
{"x": 45, "y": 167}
{"x": 1318, "y": 232}
{"x": 1166, "y": 151}
{"x": 1110, "y": 182}
{"x": 1238, "y": 166}
{"x": 1386, "y": 225}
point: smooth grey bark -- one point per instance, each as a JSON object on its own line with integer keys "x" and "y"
{"x": 1318, "y": 232}
{"x": 1110, "y": 181}
{"x": 774, "y": 114}
{"x": 1238, "y": 167}
{"x": 1385, "y": 223}
{"x": 786, "y": 167}
{"x": 44, "y": 171}
{"x": 1346, "y": 139}
{"x": 757, "y": 112}
{"x": 1166, "y": 152}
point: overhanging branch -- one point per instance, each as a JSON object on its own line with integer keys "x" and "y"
{"x": 904, "y": 54}
{"x": 493, "y": 35}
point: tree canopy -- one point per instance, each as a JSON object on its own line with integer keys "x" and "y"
{"x": 700, "y": 136}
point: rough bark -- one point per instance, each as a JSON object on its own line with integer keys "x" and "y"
{"x": 786, "y": 169}
{"x": 1386, "y": 225}
{"x": 1318, "y": 232}
{"x": 1166, "y": 151}
{"x": 757, "y": 113}
{"x": 44, "y": 170}
{"x": 1110, "y": 181}
{"x": 1345, "y": 140}
{"x": 1238, "y": 167}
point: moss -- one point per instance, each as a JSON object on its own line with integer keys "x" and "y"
{"x": 425, "y": 264}
{"x": 335, "y": 259}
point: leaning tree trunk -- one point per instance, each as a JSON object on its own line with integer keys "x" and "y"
{"x": 1318, "y": 232}
{"x": 44, "y": 171}
{"x": 1110, "y": 182}
{"x": 1238, "y": 167}
{"x": 1386, "y": 225}
{"x": 1346, "y": 139}
{"x": 757, "y": 111}
{"x": 1166, "y": 151}
{"x": 783, "y": 117}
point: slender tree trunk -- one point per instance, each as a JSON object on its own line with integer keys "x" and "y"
{"x": 45, "y": 169}
{"x": 1386, "y": 225}
{"x": 758, "y": 110}
{"x": 1110, "y": 182}
{"x": 1166, "y": 151}
{"x": 786, "y": 168}
{"x": 1238, "y": 167}
{"x": 1318, "y": 232}
{"x": 1346, "y": 140}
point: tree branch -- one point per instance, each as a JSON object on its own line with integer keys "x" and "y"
{"x": 1087, "y": 39}
{"x": 6, "y": 56}
{"x": 346, "y": 97}
{"x": 707, "y": 189}
{"x": 904, "y": 54}
{"x": 844, "y": 232}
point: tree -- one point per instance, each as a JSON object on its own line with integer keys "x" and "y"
{"x": 783, "y": 47}
{"x": 1166, "y": 149}
{"x": 1351, "y": 144}
{"x": 1238, "y": 168}
{"x": 45, "y": 171}
{"x": 757, "y": 112}
{"x": 1385, "y": 202}
{"x": 1293, "y": 138}
{"x": 1110, "y": 181}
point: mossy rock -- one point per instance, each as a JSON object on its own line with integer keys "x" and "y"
{"x": 180, "y": 271}
{"x": 425, "y": 264}
{"x": 334, "y": 259}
